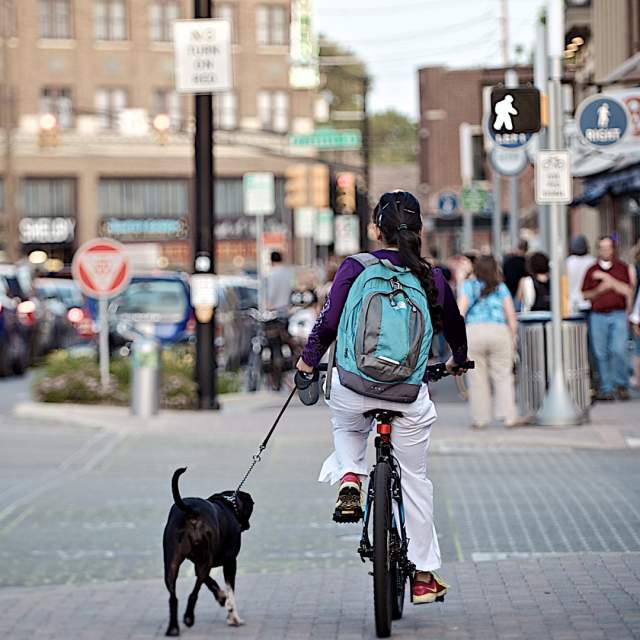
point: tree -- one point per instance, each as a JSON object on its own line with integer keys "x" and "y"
{"x": 393, "y": 138}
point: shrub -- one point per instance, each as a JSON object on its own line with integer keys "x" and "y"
{"x": 64, "y": 377}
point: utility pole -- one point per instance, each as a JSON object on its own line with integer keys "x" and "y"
{"x": 558, "y": 408}
{"x": 466, "y": 175}
{"x": 366, "y": 162}
{"x": 541, "y": 79}
{"x": 204, "y": 235}
{"x": 12, "y": 246}
{"x": 504, "y": 31}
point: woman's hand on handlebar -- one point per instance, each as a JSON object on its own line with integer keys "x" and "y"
{"x": 453, "y": 368}
{"x": 303, "y": 366}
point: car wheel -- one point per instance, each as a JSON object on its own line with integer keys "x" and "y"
{"x": 20, "y": 360}
{"x": 4, "y": 361}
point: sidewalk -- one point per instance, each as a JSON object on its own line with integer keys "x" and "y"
{"x": 611, "y": 426}
{"x": 565, "y": 597}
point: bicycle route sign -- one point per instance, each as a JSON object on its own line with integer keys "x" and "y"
{"x": 100, "y": 267}
{"x": 553, "y": 177}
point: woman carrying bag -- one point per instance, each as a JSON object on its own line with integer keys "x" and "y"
{"x": 490, "y": 316}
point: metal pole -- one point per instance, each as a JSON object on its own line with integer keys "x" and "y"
{"x": 514, "y": 213}
{"x": 366, "y": 158}
{"x": 12, "y": 244}
{"x": 466, "y": 175}
{"x": 541, "y": 80}
{"x": 511, "y": 80}
{"x": 504, "y": 31}
{"x": 496, "y": 218}
{"x": 104, "y": 342}
{"x": 204, "y": 237}
{"x": 260, "y": 263}
{"x": 558, "y": 408}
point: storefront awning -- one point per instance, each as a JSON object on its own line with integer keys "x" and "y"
{"x": 617, "y": 183}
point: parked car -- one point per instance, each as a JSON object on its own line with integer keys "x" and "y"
{"x": 14, "y": 347}
{"x": 72, "y": 323}
{"x": 32, "y": 312}
{"x": 159, "y": 301}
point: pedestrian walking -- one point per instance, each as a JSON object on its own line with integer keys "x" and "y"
{"x": 607, "y": 285}
{"x": 491, "y": 333}
{"x": 279, "y": 285}
{"x": 534, "y": 291}
{"x": 514, "y": 267}
{"x": 635, "y": 321}
{"x": 578, "y": 264}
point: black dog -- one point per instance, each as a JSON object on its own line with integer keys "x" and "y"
{"x": 207, "y": 532}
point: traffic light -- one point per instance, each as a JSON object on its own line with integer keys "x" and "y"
{"x": 515, "y": 110}
{"x": 345, "y": 192}
{"x": 296, "y": 186}
{"x": 319, "y": 186}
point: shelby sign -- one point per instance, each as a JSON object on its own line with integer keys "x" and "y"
{"x": 46, "y": 230}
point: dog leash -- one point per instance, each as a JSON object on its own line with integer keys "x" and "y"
{"x": 258, "y": 456}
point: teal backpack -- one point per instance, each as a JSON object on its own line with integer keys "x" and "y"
{"x": 385, "y": 332}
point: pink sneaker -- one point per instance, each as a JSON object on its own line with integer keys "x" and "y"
{"x": 432, "y": 591}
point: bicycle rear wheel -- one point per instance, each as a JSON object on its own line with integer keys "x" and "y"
{"x": 398, "y": 585}
{"x": 382, "y": 582}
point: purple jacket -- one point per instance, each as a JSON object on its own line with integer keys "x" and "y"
{"x": 326, "y": 327}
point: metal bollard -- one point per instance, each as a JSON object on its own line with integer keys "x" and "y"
{"x": 145, "y": 377}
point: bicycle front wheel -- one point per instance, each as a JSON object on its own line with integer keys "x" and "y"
{"x": 382, "y": 582}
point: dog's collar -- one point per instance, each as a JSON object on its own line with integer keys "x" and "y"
{"x": 234, "y": 504}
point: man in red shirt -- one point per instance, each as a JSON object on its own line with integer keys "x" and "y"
{"x": 607, "y": 284}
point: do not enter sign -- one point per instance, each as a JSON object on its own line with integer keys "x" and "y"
{"x": 101, "y": 268}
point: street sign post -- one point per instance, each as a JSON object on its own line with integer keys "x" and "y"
{"x": 323, "y": 227}
{"x": 202, "y": 56}
{"x": 347, "y": 235}
{"x": 602, "y": 121}
{"x": 553, "y": 177}
{"x": 101, "y": 269}
{"x": 508, "y": 162}
{"x": 327, "y": 139}
{"x": 259, "y": 200}
{"x": 515, "y": 110}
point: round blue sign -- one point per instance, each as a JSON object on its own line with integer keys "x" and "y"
{"x": 602, "y": 121}
{"x": 447, "y": 203}
{"x": 507, "y": 139}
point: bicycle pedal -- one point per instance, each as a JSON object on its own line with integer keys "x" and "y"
{"x": 347, "y": 517}
{"x": 440, "y": 599}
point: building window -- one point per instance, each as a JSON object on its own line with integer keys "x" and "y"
{"x": 227, "y": 11}
{"x": 55, "y": 18}
{"x": 272, "y": 25}
{"x": 162, "y": 15}
{"x": 110, "y": 19}
{"x": 8, "y": 16}
{"x": 225, "y": 110}
{"x": 58, "y": 102}
{"x": 168, "y": 101}
{"x": 48, "y": 197}
{"x": 144, "y": 198}
{"x": 273, "y": 110}
{"x": 109, "y": 104}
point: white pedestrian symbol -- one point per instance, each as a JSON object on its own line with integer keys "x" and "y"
{"x": 603, "y": 116}
{"x": 504, "y": 110}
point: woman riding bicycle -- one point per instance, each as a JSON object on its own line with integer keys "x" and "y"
{"x": 399, "y": 226}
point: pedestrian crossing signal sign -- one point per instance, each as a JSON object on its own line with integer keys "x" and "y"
{"x": 515, "y": 110}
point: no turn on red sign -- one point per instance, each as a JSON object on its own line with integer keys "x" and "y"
{"x": 101, "y": 268}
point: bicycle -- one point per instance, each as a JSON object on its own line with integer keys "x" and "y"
{"x": 388, "y": 552}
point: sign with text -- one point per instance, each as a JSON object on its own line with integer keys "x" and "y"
{"x": 553, "y": 177}
{"x": 259, "y": 193}
{"x": 202, "y": 56}
{"x": 602, "y": 121}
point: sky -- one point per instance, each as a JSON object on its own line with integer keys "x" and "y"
{"x": 396, "y": 37}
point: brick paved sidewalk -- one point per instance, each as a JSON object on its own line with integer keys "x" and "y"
{"x": 564, "y": 597}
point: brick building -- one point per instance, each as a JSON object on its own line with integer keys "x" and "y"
{"x": 104, "y": 70}
{"x": 449, "y": 98}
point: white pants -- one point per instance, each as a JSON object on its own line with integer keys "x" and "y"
{"x": 410, "y": 440}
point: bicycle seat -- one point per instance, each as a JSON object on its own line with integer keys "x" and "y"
{"x": 386, "y": 415}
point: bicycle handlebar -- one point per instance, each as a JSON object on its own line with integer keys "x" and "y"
{"x": 435, "y": 372}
